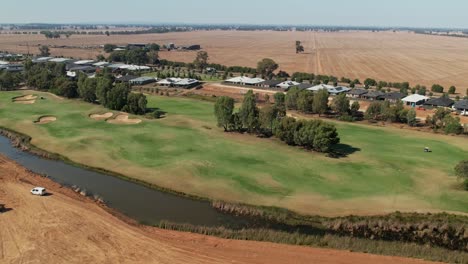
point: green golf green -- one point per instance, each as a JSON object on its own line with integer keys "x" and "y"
{"x": 386, "y": 169}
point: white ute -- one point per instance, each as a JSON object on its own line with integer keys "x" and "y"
{"x": 38, "y": 191}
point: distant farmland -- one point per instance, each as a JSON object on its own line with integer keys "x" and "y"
{"x": 384, "y": 56}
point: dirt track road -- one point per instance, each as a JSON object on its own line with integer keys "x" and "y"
{"x": 67, "y": 228}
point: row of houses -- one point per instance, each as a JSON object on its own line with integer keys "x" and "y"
{"x": 412, "y": 100}
{"x": 284, "y": 85}
{"x": 168, "y": 82}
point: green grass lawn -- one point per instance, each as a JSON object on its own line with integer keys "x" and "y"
{"x": 385, "y": 171}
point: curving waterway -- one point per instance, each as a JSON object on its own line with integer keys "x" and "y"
{"x": 146, "y": 205}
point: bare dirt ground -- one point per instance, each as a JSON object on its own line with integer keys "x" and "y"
{"x": 65, "y": 227}
{"x": 235, "y": 92}
{"x": 387, "y": 56}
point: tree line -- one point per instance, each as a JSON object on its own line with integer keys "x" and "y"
{"x": 271, "y": 120}
{"x": 51, "y": 77}
{"x": 308, "y": 102}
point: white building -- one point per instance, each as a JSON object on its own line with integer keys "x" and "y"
{"x": 330, "y": 88}
{"x": 287, "y": 84}
{"x": 415, "y": 99}
{"x": 243, "y": 80}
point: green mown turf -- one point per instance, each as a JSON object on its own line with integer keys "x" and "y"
{"x": 185, "y": 151}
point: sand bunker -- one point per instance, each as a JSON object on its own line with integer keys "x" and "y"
{"x": 26, "y": 99}
{"x": 101, "y": 116}
{"x": 123, "y": 119}
{"x": 45, "y": 119}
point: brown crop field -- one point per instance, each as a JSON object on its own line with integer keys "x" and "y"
{"x": 387, "y": 56}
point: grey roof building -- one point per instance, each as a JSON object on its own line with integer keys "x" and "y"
{"x": 461, "y": 105}
{"x": 373, "y": 95}
{"x": 440, "y": 102}
{"x": 392, "y": 97}
{"x": 356, "y": 92}
{"x": 270, "y": 83}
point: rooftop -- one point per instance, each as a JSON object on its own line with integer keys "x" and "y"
{"x": 442, "y": 101}
{"x": 414, "y": 98}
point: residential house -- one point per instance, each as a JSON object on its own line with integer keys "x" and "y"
{"x": 270, "y": 83}
{"x": 415, "y": 99}
{"x": 372, "y": 95}
{"x": 440, "y": 102}
{"x": 243, "y": 80}
{"x": 142, "y": 80}
{"x": 461, "y": 106}
{"x": 356, "y": 93}
{"x": 125, "y": 78}
{"x": 287, "y": 84}
{"x": 392, "y": 97}
{"x": 332, "y": 90}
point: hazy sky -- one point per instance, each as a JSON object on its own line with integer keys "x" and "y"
{"x": 415, "y": 13}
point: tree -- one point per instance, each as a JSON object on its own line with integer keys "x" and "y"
{"x": 64, "y": 87}
{"x": 304, "y": 101}
{"x": 325, "y": 137}
{"x": 137, "y": 56}
{"x": 107, "y": 33}
{"x": 44, "y": 51}
{"x": 280, "y": 104}
{"x": 291, "y": 98}
{"x": 285, "y": 130}
{"x": 461, "y": 171}
{"x": 108, "y": 48}
{"x": 299, "y": 47}
{"x": 100, "y": 57}
{"x": 370, "y": 82}
{"x": 452, "y": 125}
{"x": 411, "y": 117}
{"x": 320, "y": 102}
{"x": 103, "y": 86}
{"x": 452, "y": 89}
{"x": 117, "y": 96}
{"x": 355, "y": 108}
{"x": 267, "y": 116}
{"x": 266, "y": 67}
{"x": 153, "y": 57}
{"x": 249, "y": 112}
{"x": 136, "y": 103}
{"x": 373, "y": 111}
{"x": 201, "y": 61}
{"x": 223, "y": 110}
{"x": 341, "y": 104}
{"x": 8, "y": 81}
{"x": 87, "y": 90}
{"x": 154, "y": 47}
{"x": 422, "y": 90}
{"x": 436, "y": 88}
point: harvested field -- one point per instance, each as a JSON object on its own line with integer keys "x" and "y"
{"x": 101, "y": 116}
{"x": 124, "y": 120}
{"x": 45, "y": 120}
{"x": 69, "y": 228}
{"x": 388, "y": 56}
{"x": 26, "y": 99}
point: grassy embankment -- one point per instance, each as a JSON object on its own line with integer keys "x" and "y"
{"x": 386, "y": 169}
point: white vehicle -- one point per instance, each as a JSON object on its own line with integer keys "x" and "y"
{"x": 38, "y": 191}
